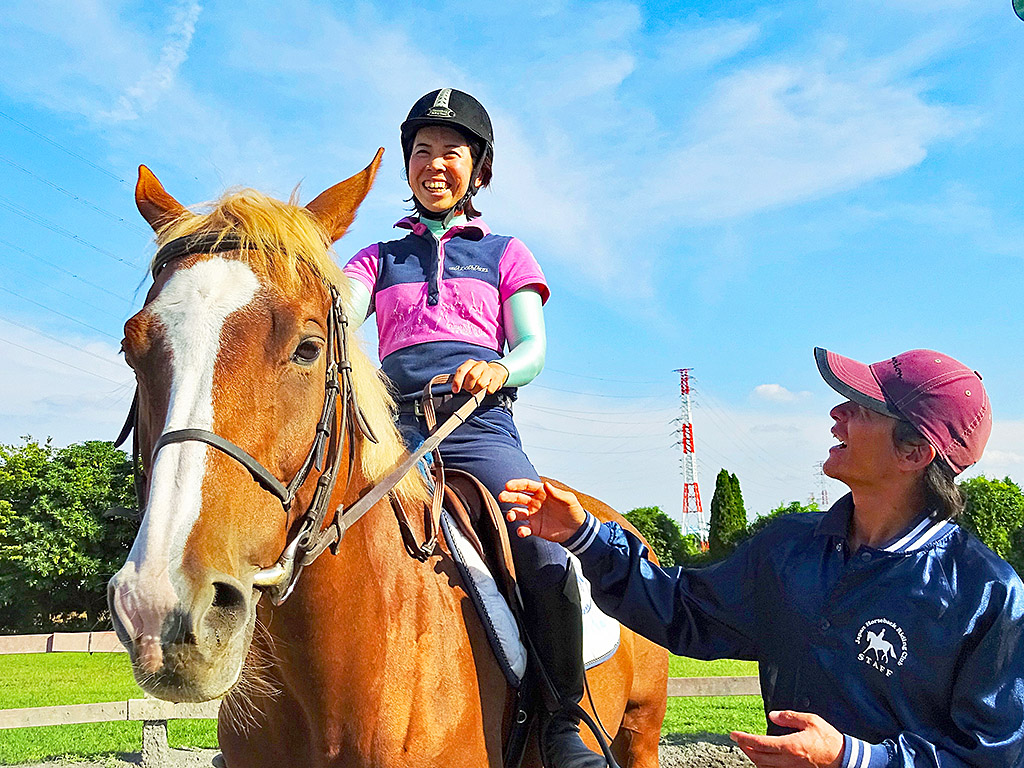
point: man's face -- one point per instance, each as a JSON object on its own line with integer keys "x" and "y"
{"x": 866, "y": 454}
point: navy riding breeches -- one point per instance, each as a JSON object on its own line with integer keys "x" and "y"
{"x": 488, "y": 447}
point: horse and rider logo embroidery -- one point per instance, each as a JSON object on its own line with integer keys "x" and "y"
{"x": 875, "y": 641}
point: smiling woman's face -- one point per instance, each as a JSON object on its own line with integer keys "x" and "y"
{"x": 440, "y": 167}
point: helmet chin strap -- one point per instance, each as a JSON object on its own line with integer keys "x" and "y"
{"x": 446, "y": 216}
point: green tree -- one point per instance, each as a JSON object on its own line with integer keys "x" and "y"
{"x": 794, "y": 507}
{"x": 660, "y": 530}
{"x": 995, "y": 513}
{"x": 57, "y": 550}
{"x": 737, "y": 497}
{"x": 689, "y": 550}
{"x": 691, "y": 554}
{"x": 728, "y": 521}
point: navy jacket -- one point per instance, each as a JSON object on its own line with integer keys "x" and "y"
{"x": 914, "y": 651}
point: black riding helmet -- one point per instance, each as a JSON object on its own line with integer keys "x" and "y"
{"x": 457, "y": 110}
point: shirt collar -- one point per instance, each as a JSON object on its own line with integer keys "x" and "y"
{"x": 836, "y": 521}
{"x": 474, "y": 229}
{"x": 924, "y": 530}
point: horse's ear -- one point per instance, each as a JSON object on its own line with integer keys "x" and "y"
{"x": 335, "y": 208}
{"x": 156, "y": 206}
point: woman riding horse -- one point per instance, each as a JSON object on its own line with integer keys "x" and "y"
{"x": 449, "y": 296}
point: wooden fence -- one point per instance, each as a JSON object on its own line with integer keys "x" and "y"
{"x": 155, "y": 713}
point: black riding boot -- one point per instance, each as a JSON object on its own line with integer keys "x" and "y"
{"x": 555, "y": 625}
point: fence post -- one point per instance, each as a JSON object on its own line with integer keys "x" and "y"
{"x": 155, "y": 751}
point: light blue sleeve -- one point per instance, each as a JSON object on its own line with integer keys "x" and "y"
{"x": 359, "y": 303}
{"x": 522, "y": 315}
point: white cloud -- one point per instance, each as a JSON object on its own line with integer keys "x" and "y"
{"x": 89, "y": 54}
{"x": 1003, "y": 456}
{"x": 581, "y": 153}
{"x": 961, "y": 211}
{"x": 708, "y": 45}
{"x": 144, "y": 94}
{"x": 774, "y": 135}
{"x": 776, "y": 393}
{"x": 72, "y": 391}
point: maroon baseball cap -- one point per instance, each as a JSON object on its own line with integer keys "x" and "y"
{"x": 944, "y": 399}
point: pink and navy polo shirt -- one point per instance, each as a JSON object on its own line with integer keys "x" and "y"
{"x": 438, "y": 302}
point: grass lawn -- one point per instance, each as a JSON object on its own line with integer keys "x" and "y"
{"x": 693, "y": 715}
{"x": 46, "y": 679}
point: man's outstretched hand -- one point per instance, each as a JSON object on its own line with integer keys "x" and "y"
{"x": 816, "y": 744}
{"x": 543, "y": 509}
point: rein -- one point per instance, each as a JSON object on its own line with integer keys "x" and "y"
{"x": 312, "y": 538}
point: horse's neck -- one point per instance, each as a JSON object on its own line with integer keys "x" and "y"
{"x": 343, "y": 604}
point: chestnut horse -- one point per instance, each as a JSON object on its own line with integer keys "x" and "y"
{"x": 251, "y": 409}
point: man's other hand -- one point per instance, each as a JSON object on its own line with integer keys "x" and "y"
{"x": 816, "y": 744}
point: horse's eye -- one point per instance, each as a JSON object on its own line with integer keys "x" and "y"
{"x": 307, "y": 352}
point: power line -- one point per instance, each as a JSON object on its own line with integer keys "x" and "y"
{"x": 596, "y": 394}
{"x": 713, "y": 403}
{"x": 73, "y": 196}
{"x": 752, "y": 450}
{"x": 65, "y": 363}
{"x": 62, "y": 148}
{"x": 544, "y": 428}
{"x": 71, "y": 296}
{"x": 602, "y": 378}
{"x": 65, "y": 271}
{"x": 42, "y": 221}
{"x": 7, "y": 319}
{"x": 610, "y": 454}
{"x": 730, "y": 435}
{"x": 609, "y": 412}
{"x": 56, "y": 312}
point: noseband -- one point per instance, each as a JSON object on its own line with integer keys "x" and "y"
{"x": 311, "y": 539}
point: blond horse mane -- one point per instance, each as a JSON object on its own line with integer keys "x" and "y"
{"x": 286, "y": 246}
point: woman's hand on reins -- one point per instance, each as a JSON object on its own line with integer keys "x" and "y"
{"x": 543, "y": 509}
{"x": 475, "y": 376}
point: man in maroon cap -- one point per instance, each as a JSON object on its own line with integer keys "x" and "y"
{"x": 885, "y": 634}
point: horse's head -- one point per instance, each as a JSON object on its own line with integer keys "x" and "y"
{"x": 233, "y": 342}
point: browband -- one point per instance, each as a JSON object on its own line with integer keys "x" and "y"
{"x": 206, "y": 242}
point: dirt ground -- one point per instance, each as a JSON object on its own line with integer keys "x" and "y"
{"x": 676, "y": 752}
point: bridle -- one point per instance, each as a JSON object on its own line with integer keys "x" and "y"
{"x": 325, "y": 452}
{"x": 313, "y": 537}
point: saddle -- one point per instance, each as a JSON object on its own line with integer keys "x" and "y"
{"x": 467, "y": 517}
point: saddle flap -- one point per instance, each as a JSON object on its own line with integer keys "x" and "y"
{"x": 479, "y": 517}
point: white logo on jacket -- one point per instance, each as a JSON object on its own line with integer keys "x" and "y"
{"x": 881, "y": 644}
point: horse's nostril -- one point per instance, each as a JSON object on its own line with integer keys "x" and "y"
{"x": 227, "y": 612}
{"x": 227, "y": 597}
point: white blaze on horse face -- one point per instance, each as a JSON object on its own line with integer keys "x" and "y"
{"x": 192, "y": 308}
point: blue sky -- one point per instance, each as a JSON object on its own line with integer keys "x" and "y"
{"x": 721, "y": 186}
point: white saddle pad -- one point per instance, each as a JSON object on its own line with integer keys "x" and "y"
{"x": 600, "y": 631}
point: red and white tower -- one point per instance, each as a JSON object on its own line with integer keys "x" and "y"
{"x": 693, "y": 512}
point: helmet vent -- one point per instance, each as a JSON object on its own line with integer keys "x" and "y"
{"x": 440, "y": 108}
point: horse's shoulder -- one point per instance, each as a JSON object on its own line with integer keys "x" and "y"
{"x": 603, "y": 512}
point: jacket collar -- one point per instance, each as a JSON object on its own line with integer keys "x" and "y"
{"x": 923, "y": 531}
{"x": 474, "y": 229}
{"x": 836, "y": 521}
